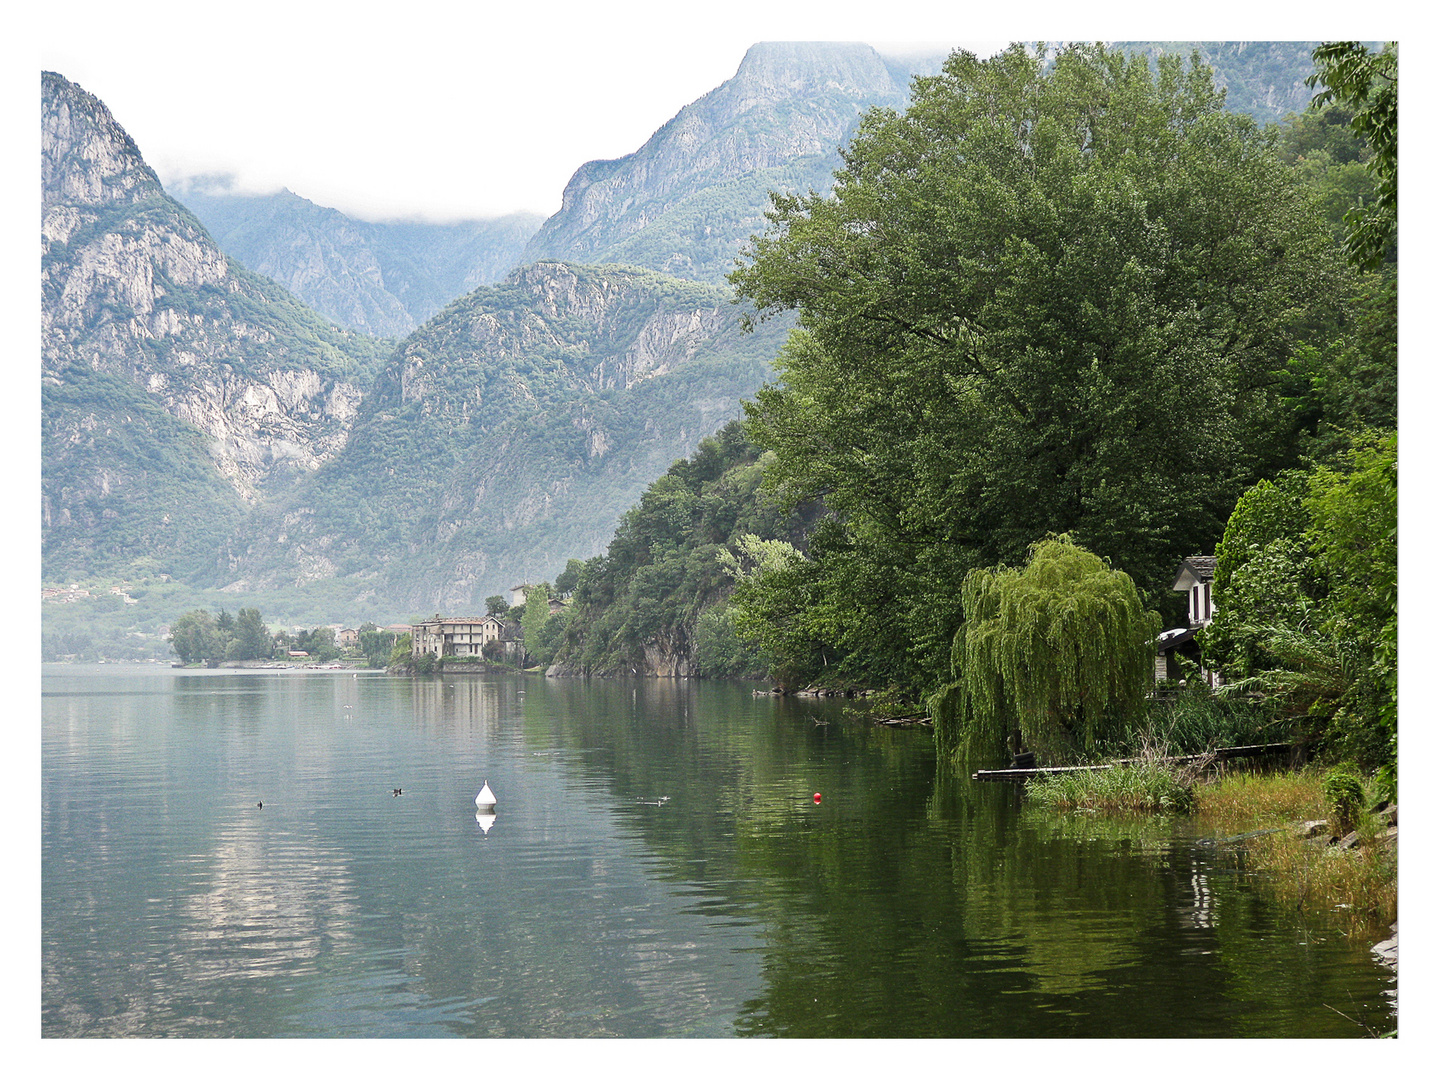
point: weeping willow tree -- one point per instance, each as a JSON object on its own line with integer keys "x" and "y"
{"x": 1054, "y": 656}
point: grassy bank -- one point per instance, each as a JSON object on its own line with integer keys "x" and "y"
{"x": 1265, "y": 813}
{"x": 1311, "y": 873}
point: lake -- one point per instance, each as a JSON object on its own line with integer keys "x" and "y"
{"x": 657, "y": 866}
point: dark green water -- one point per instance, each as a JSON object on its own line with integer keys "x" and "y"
{"x": 656, "y": 867}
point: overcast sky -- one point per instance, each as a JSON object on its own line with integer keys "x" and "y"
{"x": 426, "y": 108}
{"x": 441, "y": 109}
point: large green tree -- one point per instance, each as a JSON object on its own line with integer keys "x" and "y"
{"x": 1045, "y": 298}
{"x": 194, "y": 637}
{"x": 1056, "y": 656}
{"x": 252, "y": 641}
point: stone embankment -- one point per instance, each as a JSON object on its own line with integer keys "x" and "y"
{"x": 1387, "y": 822}
{"x": 1386, "y": 831}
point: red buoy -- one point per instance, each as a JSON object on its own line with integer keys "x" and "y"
{"x": 817, "y": 798}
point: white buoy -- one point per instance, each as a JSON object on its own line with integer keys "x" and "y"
{"x": 486, "y": 799}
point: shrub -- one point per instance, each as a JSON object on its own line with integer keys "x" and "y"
{"x": 1344, "y": 795}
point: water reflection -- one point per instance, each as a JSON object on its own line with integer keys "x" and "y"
{"x": 663, "y": 870}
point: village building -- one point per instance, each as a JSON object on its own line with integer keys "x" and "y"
{"x": 517, "y": 594}
{"x": 1195, "y": 578}
{"x": 347, "y": 637}
{"x": 457, "y": 635}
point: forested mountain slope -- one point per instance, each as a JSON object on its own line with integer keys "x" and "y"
{"x": 654, "y": 602}
{"x": 511, "y": 432}
{"x": 384, "y": 278}
{"x": 178, "y": 389}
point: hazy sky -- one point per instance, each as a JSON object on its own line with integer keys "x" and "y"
{"x": 420, "y": 108}
{"x": 445, "y": 109}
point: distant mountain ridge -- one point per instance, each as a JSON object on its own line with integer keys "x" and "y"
{"x": 685, "y": 203}
{"x": 383, "y": 278}
{"x": 177, "y": 388}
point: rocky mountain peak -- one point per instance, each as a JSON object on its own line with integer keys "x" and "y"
{"x": 86, "y": 158}
{"x": 686, "y": 201}
{"x": 796, "y": 68}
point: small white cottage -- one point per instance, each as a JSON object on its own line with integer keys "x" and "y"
{"x": 1196, "y": 578}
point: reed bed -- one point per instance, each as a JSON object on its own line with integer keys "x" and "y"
{"x": 1147, "y": 787}
{"x": 1360, "y": 884}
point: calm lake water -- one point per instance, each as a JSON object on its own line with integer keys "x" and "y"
{"x": 657, "y": 866}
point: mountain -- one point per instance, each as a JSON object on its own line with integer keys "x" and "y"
{"x": 1265, "y": 79}
{"x": 686, "y": 202}
{"x": 509, "y": 434}
{"x": 383, "y": 278}
{"x": 202, "y": 423}
{"x": 177, "y": 388}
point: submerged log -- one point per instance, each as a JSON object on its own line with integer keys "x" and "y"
{"x": 1220, "y": 753}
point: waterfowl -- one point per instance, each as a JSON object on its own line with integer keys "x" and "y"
{"x": 397, "y": 791}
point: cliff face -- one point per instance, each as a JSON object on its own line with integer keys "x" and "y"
{"x": 509, "y": 434}
{"x": 686, "y": 201}
{"x": 382, "y": 278}
{"x": 1265, "y": 79}
{"x": 160, "y": 358}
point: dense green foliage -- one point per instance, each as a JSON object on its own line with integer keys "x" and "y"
{"x": 1055, "y": 656}
{"x": 377, "y": 644}
{"x": 1194, "y": 719}
{"x": 1369, "y": 84}
{"x": 536, "y": 616}
{"x": 1043, "y": 299}
{"x": 660, "y": 584}
{"x": 199, "y": 636}
{"x": 1307, "y": 598}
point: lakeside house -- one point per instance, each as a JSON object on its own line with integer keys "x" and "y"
{"x": 517, "y": 594}
{"x": 456, "y": 635}
{"x": 1196, "y": 578}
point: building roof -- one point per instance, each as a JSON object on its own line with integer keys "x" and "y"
{"x": 1195, "y": 570}
{"x": 1170, "y": 638}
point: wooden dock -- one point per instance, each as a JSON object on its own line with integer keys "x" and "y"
{"x": 1220, "y": 753}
